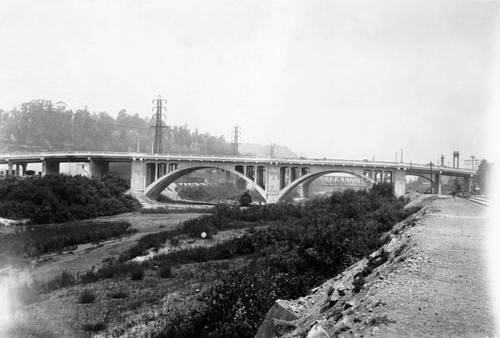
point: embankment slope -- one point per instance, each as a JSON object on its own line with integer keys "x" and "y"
{"x": 434, "y": 283}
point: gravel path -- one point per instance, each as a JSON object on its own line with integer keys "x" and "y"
{"x": 443, "y": 289}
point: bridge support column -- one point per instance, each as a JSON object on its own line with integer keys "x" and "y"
{"x": 437, "y": 184}
{"x": 138, "y": 175}
{"x": 260, "y": 175}
{"x": 50, "y": 168}
{"x": 98, "y": 169}
{"x": 161, "y": 170}
{"x": 399, "y": 179}
{"x": 272, "y": 184}
{"x": 10, "y": 169}
{"x": 467, "y": 185}
{"x": 24, "y": 166}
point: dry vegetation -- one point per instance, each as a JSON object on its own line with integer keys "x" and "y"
{"x": 221, "y": 289}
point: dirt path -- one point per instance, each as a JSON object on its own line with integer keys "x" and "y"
{"x": 88, "y": 255}
{"x": 443, "y": 288}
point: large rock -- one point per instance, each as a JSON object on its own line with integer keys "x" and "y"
{"x": 278, "y": 311}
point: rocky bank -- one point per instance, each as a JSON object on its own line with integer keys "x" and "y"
{"x": 430, "y": 279}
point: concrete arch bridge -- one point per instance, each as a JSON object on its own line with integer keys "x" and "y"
{"x": 273, "y": 178}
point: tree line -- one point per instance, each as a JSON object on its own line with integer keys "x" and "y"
{"x": 46, "y": 126}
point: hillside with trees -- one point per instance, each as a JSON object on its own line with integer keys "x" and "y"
{"x": 42, "y": 125}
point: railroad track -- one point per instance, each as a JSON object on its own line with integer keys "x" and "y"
{"x": 480, "y": 200}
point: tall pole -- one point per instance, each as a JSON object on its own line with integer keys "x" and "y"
{"x": 157, "y": 145}
{"x": 236, "y": 139}
{"x": 401, "y": 155}
{"x": 432, "y": 185}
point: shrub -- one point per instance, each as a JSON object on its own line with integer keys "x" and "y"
{"x": 359, "y": 281}
{"x": 165, "y": 271}
{"x": 118, "y": 294}
{"x": 174, "y": 241}
{"x": 86, "y": 296}
{"x": 137, "y": 273}
{"x": 59, "y": 281}
{"x": 93, "y": 327}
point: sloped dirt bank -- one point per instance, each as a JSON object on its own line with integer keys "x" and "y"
{"x": 429, "y": 280}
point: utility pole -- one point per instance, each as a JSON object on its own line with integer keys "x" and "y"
{"x": 401, "y": 155}
{"x": 432, "y": 185}
{"x": 473, "y": 162}
{"x": 273, "y": 150}
{"x": 157, "y": 145}
{"x": 236, "y": 136}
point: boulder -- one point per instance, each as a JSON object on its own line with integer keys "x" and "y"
{"x": 278, "y": 311}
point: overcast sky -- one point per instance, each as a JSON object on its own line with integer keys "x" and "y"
{"x": 337, "y": 79}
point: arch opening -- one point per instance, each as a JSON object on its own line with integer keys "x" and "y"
{"x": 211, "y": 181}
{"x": 333, "y": 178}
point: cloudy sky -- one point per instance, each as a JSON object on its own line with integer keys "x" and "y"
{"x": 337, "y": 79}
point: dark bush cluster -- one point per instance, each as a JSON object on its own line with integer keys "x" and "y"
{"x": 61, "y": 198}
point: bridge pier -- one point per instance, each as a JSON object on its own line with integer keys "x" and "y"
{"x": 50, "y": 167}
{"x": 138, "y": 175}
{"x": 437, "y": 184}
{"x": 98, "y": 169}
{"x": 467, "y": 185}
{"x": 399, "y": 179}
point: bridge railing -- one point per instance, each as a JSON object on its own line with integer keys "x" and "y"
{"x": 301, "y": 160}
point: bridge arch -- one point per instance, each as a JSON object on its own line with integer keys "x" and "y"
{"x": 154, "y": 189}
{"x": 312, "y": 176}
{"x": 424, "y": 176}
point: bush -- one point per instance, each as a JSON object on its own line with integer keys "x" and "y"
{"x": 93, "y": 327}
{"x": 118, "y": 294}
{"x": 165, "y": 271}
{"x": 86, "y": 296}
{"x": 137, "y": 273}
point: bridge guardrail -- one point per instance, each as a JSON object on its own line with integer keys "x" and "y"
{"x": 302, "y": 161}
